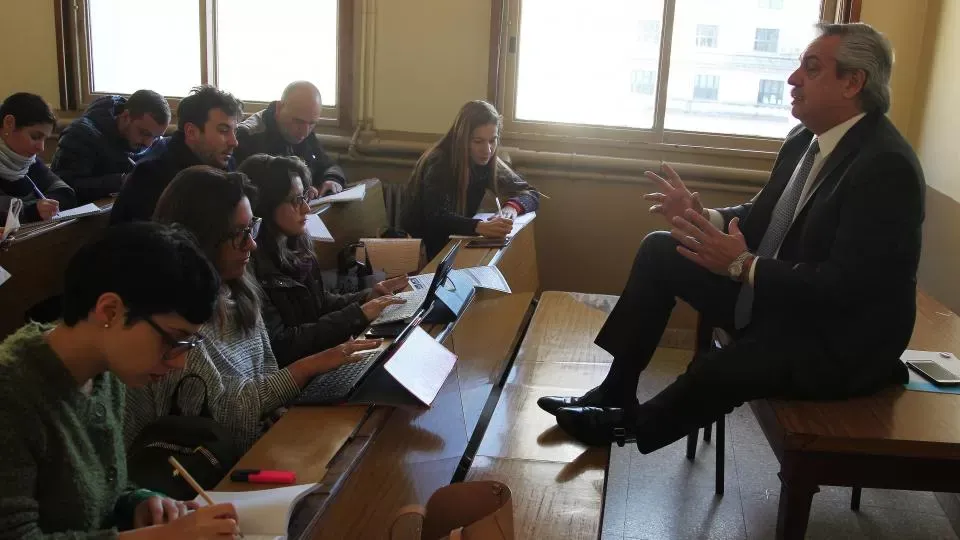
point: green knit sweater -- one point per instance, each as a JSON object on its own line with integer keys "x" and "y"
{"x": 63, "y": 467}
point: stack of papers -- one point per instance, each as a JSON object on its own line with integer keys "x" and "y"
{"x": 484, "y": 277}
{"x": 356, "y": 193}
{"x": 88, "y": 209}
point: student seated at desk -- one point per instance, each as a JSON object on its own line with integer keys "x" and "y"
{"x": 300, "y": 315}
{"x": 97, "y": 150}
{"x": 63, "y": 468}
{"x": 450, "y": 179}
{"x": 206, "y": 126}
{"x": 244, "y": 385}
{"x": 285, "y": 128}
{"x": 26, "y": 122}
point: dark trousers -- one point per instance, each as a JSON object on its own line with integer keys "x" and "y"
{"x": 756, "y": 365}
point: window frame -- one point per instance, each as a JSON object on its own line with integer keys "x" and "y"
{"x": 763, "y": 90}
{"x": 75, "y": 70}
{"x": 611, "y": 140}
{"x": 714, "y": 39}
{"x": 757, "y": 40}
{"x": 638, "y": 79}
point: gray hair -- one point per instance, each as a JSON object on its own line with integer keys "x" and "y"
{"x": 863, "y": 48}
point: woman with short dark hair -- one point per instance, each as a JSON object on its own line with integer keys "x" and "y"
{"x": 26, "y": 122}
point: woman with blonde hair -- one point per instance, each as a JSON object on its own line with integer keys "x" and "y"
{"x": 451, "y": 178}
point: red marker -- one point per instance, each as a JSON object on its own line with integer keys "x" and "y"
{"x": 257, "y": 476}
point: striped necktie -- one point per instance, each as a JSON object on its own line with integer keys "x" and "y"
{"x": 780, "y": 222}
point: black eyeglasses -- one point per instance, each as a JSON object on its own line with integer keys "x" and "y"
{"x": 177, "y": 346}
{"x": 239, "y": 237}
{"x": 297, "y": 200}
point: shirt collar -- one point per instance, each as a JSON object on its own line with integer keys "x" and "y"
{"x": 829, "y": 139}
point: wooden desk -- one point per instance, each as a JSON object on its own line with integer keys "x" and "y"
{"x": 396, "y": 457}
{"x": 37, "y": 264}
{"x": 351, "y": 221}
{"x": 896, "y": 439}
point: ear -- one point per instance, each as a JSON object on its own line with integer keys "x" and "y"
{"x": 9, "y": 123}
{"x": 191, "y": 132}
{"x": 856, "y": 80}
{"x": 109, "y": 310}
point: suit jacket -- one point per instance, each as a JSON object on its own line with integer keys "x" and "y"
{"x": 844, "y": 280}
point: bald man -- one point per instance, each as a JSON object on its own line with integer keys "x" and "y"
{"x": 285, "y": 128}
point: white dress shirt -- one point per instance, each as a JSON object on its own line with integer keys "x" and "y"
{"x": 828, "y": 142}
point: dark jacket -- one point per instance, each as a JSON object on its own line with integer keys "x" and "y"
{"x": 845, "y": 276}
{"x": 430, "y": 205}
{"x": 259, "y": 134}
{"x": 146, "y": 182}
{"x": 92, "y": 156}
{"x": 48, "y": 183}
{"x": 301, "y": 317}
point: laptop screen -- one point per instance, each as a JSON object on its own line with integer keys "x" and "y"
{"x": 443, "y": 269}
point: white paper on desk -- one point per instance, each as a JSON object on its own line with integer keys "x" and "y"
{"x": 356, "y": 193}
{"x": 420, "y": 282}
{"x": 486, "y": 277}
{"x": 393, "y": 256}
{"x": 4, "y": 275}
{"x": 951, "y": 363}
{"x": 88, "y": 209}
{"x": 421, "y": 365}
{"x": 263, "y": 514}
{"x": 13, "y": 219}
{"x": 518, "y": 223}
{"x": 317, "y": 229}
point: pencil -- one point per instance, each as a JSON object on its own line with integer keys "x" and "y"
{"x": 179, "y": 470}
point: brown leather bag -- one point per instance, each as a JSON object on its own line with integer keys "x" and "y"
{"x": 464, "y": 511}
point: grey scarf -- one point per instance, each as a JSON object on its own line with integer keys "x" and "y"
{"x": 13, "y": 166}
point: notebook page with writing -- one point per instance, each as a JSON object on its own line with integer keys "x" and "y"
{"x": 264, "y": 514}
{"x": 518, "y": 223}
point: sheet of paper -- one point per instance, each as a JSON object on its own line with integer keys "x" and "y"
{"x": 421, "y": 364}
{"x": 420, "y": 282}
{"x": 265, "y": 513}
{"x": 317, "y": 229}
{"x": 356, "y": 193}
{"x": 88, "y": 209}
{"x": 518, "y": 223}
{"x": 393, "y": 256}
{"x": 486, "y": 277}
{"x": 4, "y": 275}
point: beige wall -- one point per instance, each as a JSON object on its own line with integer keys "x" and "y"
{"x": 28, "y": 49}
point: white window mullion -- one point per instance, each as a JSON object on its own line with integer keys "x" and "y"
{"x": 663, "y": 72}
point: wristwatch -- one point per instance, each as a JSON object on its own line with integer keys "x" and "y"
{"x": 736, "y": 267}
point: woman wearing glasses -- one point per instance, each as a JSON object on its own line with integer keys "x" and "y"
{"x": 301, "y": 317}
{"x": 244, "y": 385}
{"x": 62, "y": 461}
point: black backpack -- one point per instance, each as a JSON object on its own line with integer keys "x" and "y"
{"x": 200, "y": 444}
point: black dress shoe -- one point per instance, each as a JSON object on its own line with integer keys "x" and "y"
{"x": 595, "y": 426}
{"x": 593, "y": 398}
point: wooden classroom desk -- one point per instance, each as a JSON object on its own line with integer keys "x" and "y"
{"x": 351, "y": 221}
{"x": 37, "y": 261}
{"x": 393, "y": 457}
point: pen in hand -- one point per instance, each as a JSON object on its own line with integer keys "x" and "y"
{"x": 180, "y": 471}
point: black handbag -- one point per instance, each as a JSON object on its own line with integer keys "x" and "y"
{"x": 199, "y": 443}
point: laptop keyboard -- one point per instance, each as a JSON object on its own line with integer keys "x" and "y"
{"x": 335, "y": 386}
{"x": 399, "y": 312}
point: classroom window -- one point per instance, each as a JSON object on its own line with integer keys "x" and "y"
{"x": 564, "y": 67}
{"x": 771, "y": 4}
{"x": 642, "y": 81}
{"x": 707, "y": 36}
{"x": 245, "y": 47}
{"x": 766, "y": 40}
{"x": 770, "y": 93}
{"x": 706, "y": 87}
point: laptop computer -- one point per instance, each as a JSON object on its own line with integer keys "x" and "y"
{"x": 338, "y": 385}
{"x": 420, "y": 297}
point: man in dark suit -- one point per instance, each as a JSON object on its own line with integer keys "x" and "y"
{"x": 814, "y": 279}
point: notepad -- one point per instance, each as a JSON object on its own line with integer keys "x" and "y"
{"x": 317, "y": 229}
{"x": 88, "y": 209}
{"x": 356, "y": 193}
{"x": 518, "y": 223}
{"x": 264, "y": 514}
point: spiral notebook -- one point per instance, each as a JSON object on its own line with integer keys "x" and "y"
{"x": 264, "y": 514}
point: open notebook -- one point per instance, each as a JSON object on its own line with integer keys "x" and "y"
{"x": 264, "y": 514}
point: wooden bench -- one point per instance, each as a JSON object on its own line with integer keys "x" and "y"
{"x": 896, "y": 439}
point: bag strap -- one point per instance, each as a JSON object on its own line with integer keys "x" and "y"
{"x": 409, "y": 510}
{"x": 175, "y": 399}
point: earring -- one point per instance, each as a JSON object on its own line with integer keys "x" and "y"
{"x": 106, "y": 325}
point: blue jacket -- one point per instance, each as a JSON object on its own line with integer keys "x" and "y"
{"x": 92, "y": 156}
